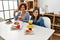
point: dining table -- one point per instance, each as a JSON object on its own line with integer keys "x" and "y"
{"x": 38, "y": 32}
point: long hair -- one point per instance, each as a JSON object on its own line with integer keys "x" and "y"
{"x": 36, "y": 8}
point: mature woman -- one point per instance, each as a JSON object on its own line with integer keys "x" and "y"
{"x": 37, "y": 20}
{"x": 22, "y": 15}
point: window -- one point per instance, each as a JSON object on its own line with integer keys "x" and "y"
{"x": 7, "y": 8}
{"x": 2, "y": 16}
{"x": 6, "y": 14}
{"x": 11, "y": 4}
{"x": 15, "y": 5}
{"x": 5, "y": 4}
{"x": 1, "y": 6}
{"x": 11, "y": 13}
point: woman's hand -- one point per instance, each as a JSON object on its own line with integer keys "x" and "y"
{"x": 15, "y": 11}
{"x": 20, "y": 18}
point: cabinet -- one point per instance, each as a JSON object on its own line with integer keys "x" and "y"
{"x": 55, "y": 22}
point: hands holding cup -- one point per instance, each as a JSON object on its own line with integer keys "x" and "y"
{"x": 20, "y": 18}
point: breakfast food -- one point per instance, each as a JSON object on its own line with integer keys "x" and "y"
{"x": 28, "y": 31}
{"x": 29, "y": 26}
{"x": 16, "y": 25}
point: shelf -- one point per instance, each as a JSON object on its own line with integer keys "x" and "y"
{"x": 52, "y": 24}
{"x": 57, "y": 34}
{"x": 53, "y": 18}
{"x": 30, "y": 10}
{"x": 57, "y": 15}
{"x": 57, "y": 25}
{"x": 47, "y": 14}
{"x": 30, "y": 0}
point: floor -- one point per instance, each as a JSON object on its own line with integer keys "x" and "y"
{"x": 56, "y": 37}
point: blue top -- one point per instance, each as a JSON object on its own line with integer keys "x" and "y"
{"x": 25, "y": 17}
{"x": 39, "y": 22}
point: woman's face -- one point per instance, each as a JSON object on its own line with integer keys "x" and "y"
{"x": 35, "y": 13}
{"x": 22, "y": 8}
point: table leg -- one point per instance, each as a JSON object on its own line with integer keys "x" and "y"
{"x": 51, "y": 38}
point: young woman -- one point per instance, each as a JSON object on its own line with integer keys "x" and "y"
{"x": 37, "y": 20}
{"x": 23, "y": 15}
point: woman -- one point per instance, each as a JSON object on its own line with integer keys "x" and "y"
{"x": 37, "y": 20}
{"x": 22, "y": 14}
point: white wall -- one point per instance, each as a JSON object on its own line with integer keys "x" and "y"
{"x": 53, "y": 5}
{"x": 40, "y": 3}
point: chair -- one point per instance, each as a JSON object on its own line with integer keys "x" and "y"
{"x": 47, "y": 22}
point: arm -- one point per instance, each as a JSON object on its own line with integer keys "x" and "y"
{"x": 15, "y": 12}
{"x": 26, "y": 17}
{"x": 41, "y": 22}
{"x": 16, "y": 17}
